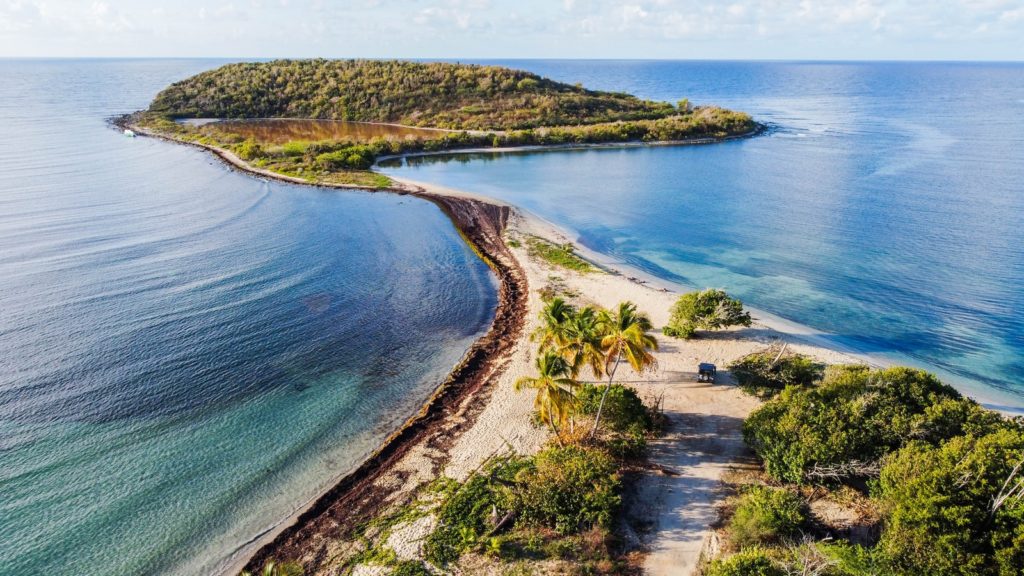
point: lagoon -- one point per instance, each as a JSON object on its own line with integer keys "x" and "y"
{"x": 884, "y": 207}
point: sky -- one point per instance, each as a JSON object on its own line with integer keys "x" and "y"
{"x": 479, "y": 29}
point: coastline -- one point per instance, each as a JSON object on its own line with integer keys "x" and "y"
{"x": 468, "y": 418}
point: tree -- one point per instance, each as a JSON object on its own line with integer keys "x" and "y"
{"x": 709, "y": 309}
{"x": 624, "y": 337}
{"x": 555, "y": 401}
{"x": 552, "y": 333}
{"x": 582, "y": 344}
{"x": 939, "y": 508}
{"x": 851, "y": 419}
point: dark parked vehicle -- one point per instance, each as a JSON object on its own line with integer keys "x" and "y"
{"x": 706, "y": 372}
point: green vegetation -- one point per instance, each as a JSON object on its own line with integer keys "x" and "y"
{"x": 765, "y": 515}
{"x": 624, "y": 336}
{"x": 442, "y": 95}
{"x": 709, "y": 309}
{"x": 598, "y": 339}
{"x": 768, "y": 372}
{"x": 844, "y": 425}
{"x": 555, "y": 401}
{"x": 563, "y": 255}
{"x": 955, "y": 508}
{"x": 749, "y": 562}
{"x": 570, "y": 490}
{"x": 944, "y": 476}
{"x": 628, "y": 420}
{"x": 484, "y": 106}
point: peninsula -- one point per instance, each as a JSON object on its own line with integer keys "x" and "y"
{"x": 574, "y": 437}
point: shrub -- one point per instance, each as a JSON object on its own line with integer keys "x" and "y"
{"x": 295, "y": 147}
{"x": 750, "y": 562}
{"x": 938, "y": 503}
{"x": 854, "y": 415}
{"x": 463, "y": 518}
{"x": 709, "y": 309}
{"x": 765, "y": 515}
{"x": 568, "y": 488}
{"x": 767, "y": 372}
{"x": 349, "y": 158}
{"x": 249, "y": 150}
{"x": 623, "y": 409}
{"x": 625, "y": 417}
{"x": 563, "y": 255}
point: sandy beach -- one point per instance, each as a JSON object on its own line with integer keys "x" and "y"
{"x": 477, "y": 413}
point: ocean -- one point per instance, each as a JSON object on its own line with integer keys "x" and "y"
{"x": 884, "y": 206}
{"x": 189, "y": 354}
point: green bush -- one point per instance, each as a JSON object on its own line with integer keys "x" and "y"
{"x": 464, "y": 516}
{"x": 249, "y": 150}
{"x": 568, "y": 488}
{"x": 766, "y": 515}
{"x": 709, "y": 309}
{"x": 938, "y": 505}
{"x": 627, "y": 420}
{"x": 623, "y": 408}
{"x": 856, "y": 415}
{"x": 749, "y": 562}
{"x": 349, "y": 158}
{"x": 766, "y": 373}
{"x": 295, "y": 147}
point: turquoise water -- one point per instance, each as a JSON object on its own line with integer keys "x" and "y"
{"x": 188, "y": 354}
{"x": 885, "y": 207}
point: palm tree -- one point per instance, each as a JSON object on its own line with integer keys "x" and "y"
{"x": 554, "y": 318}
{"x": 555, "y": 399}
{"x": 582, "y": 345}
{"x": 624, "y": 337}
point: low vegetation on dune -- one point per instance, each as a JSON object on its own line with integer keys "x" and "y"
{"x": 561, "y": 255}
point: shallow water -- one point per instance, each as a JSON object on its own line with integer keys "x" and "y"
{"x": 885, "y": 207}
{"x": 189, "y": 354}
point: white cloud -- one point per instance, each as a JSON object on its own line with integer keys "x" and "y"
{"x": 535, "y": 28}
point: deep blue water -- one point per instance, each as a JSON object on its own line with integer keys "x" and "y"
{"x": 885, "y": 207}
{"x": 188, "y": 354}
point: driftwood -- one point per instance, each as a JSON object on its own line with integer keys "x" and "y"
{"x": 1010, "y": 491}
{"x": 808, "y": 559}
{"x": 844, "y": 470}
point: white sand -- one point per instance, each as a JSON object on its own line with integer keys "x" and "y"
{"x": 703, "y": 438}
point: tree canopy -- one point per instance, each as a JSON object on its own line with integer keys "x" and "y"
{"x": 437, "y": 94}
{"x": 709, "y": 309}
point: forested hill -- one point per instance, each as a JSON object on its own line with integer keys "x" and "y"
{"x": 442, "y": 95}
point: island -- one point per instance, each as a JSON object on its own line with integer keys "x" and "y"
{"x": 325, "y": 108}
{"x": 604, "y": 424}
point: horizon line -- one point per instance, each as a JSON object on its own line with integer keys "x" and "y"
{"x": 533, "y": 58}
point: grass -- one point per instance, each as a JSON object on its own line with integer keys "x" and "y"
{"x": 357, "y": 178}
{"x": 561, "y": 255}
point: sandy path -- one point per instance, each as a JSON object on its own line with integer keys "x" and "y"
{"x": 704, "y": 435}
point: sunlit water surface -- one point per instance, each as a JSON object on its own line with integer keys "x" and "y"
{"x": 189, "y": 354}
{"x": 885, "y": 207}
